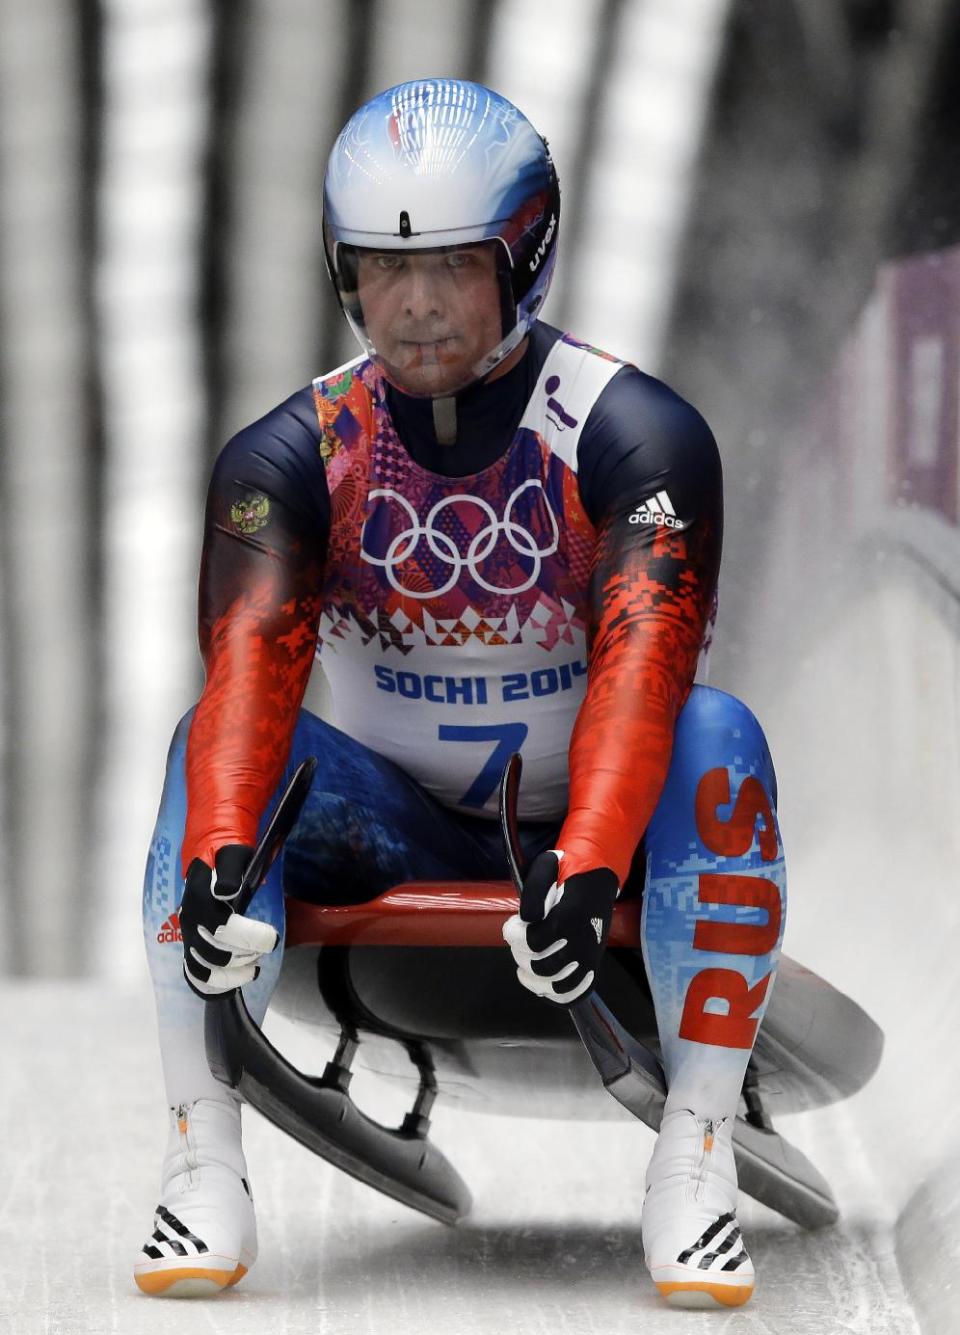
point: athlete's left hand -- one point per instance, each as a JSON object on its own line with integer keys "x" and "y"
{"x": 560, "y": 932}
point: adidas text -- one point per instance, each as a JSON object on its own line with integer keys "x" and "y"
{"x": 657, "y": 510}
{"x": 664, "y": 521}
{"x": 170, "y": 931}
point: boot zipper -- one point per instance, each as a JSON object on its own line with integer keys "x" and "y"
{"x": 186, "y": 1148}
{"x": 709, "y": 1128}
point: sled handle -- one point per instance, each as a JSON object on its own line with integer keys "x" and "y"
{"x": 629, "y": 1071}
{"x": 281, "y": 823}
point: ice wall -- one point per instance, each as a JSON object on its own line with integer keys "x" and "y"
{"x": 858, "y": 682}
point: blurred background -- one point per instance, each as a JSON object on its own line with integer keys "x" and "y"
{"x": 761, "y": 204}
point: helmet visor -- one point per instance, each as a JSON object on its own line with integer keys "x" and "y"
{"x": 435, "y": 320}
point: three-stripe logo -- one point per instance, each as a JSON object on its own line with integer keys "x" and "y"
{"x": 720, "y": 1247}
{"x": 657, "y": 510}
{"x": 173, "y": 1235}
{"x": 170, "y": 931}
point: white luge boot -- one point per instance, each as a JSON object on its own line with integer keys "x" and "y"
{"x": 205, "y": 1230}
{"x": 691, "y": 1238}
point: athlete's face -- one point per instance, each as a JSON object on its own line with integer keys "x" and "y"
{"x": 431, "y": 315}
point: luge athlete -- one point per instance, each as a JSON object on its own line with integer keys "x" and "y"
{"x": 498, "y": 539}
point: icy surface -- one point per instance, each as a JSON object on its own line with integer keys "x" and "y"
{"x": 553, "y": 1244}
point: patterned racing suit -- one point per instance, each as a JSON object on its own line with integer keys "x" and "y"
{"x": 547, "y": 585}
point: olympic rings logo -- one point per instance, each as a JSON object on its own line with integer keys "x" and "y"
{"x": 443, "y": 547}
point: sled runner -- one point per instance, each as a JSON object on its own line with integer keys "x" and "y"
{"x": 418, "y": 981}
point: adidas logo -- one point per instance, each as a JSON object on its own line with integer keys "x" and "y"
{"x": 657, "y": 510}
{"x": 170, "y": 931}
{"x": 597, "y": 925}
{"x": 720, "y": 1247}
{"x": 171, "y": 1237}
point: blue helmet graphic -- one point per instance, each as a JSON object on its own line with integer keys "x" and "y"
{"x": 440, "y": 163}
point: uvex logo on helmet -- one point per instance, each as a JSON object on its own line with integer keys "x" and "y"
{"x": 544, "y": 244}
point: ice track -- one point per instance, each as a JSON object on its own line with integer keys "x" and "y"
{"x": 553, "y": 1245}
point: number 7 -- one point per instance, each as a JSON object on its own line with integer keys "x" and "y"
{"x": 509, "y": 737}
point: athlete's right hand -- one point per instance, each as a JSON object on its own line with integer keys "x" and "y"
{"x": 220, "y": 947}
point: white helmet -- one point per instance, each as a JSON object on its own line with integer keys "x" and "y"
{"x": 439, "y": 163}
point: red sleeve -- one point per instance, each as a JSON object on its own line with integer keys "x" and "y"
{"x": 650, "y": 609}
{"x": 260, "y": 587}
